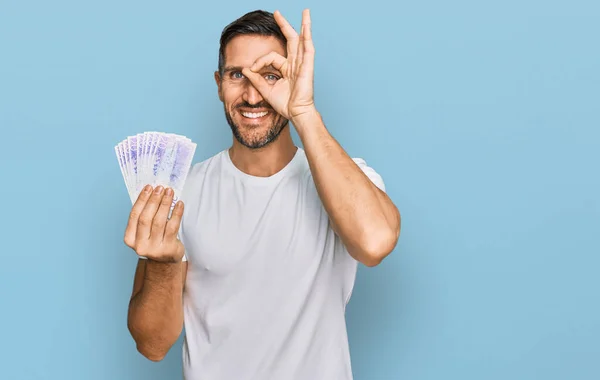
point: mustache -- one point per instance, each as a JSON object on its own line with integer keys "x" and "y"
{"x": 258, "y": 105}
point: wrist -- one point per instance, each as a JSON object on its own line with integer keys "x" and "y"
{"x": 306, "y": 120}
{"x": 166, "y": 261}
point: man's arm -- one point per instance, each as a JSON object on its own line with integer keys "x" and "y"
{"x": 360, "y": 213}
{"x": 155, "y": 317}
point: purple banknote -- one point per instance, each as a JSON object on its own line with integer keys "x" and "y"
{"x": 155, "y": 158}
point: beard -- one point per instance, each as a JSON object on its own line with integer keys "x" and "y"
{"x": 257, "y": 142}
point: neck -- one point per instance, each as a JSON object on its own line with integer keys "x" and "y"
{"x": 266, "y": 161}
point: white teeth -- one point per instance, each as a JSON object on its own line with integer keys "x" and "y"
{"x": 253, "y": 115}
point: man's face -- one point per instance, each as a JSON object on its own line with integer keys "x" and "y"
{"x": 252, "y": 120}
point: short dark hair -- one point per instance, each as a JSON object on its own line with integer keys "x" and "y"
{"x": 256, "y": 22}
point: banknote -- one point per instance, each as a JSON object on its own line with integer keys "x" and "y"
{"x": 155, "y": 158}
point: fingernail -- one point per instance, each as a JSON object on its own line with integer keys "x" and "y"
{"x": 158, "y": 189}
{"x": 169, "y": 192}
{"x": 147, "y": 189}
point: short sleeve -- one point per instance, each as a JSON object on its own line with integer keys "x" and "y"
{"x": 346, "y": 264}
{"x": 180, "y": 237}
{"x": 371, "y": 173}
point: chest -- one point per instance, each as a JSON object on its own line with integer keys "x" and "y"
{"x": 234, "y": 228}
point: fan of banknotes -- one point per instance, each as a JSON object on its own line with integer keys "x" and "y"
{"x": 155, "y": 158}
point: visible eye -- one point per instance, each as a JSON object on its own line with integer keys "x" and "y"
{"x": 271, "y": 77}
{"x": 237, "y": 75}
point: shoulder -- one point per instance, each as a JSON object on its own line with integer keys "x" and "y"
{"x": 205, "y": 166}
{"x": 198, "y": 172}
{"x": 361, "y": 162}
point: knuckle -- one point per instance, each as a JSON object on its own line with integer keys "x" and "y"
{"x": 129, "y": 241}
{"x": 144, "y": 250}
{"x": 167, "y": 232}
{"x": 170, "y": 230}
{"x": 144, "y": 221}
{"x": 157, "y": 227}
{"x": 166, "y": 200}
{"x": 133, "y": 215}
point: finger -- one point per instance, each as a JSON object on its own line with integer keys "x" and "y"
{"x": 145, "y": 222}
{"x": 174, "y": 222}
{"x": 307, "y": 32}
{"x": 134, "y": 215}
{"x": 290, "y": 35}
{"x": 258, "y": 82}
{"x": 308, "y": 58}
{"x": 160, "y": 219}
{"x": 300, "y": 52}
{"x": 274, "y": 59}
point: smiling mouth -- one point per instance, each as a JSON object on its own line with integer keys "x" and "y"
{"x": 254, "y": 115}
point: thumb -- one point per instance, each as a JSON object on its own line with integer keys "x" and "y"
{"x": 257, "y": 81}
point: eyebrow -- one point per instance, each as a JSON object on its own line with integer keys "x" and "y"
{"x": 239, "y": 68}
{"x": 232, "y": 68}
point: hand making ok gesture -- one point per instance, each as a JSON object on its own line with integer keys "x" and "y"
{"x": 292, "y": 95}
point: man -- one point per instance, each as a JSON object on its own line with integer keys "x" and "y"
{"x": 261, "y": 265}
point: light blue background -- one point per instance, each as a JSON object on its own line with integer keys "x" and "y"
{"x": 482, "y": 117}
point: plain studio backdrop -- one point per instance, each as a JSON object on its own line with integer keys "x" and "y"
{"x": 482, "y": 118}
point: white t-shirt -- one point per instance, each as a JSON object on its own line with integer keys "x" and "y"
{"x": 268, "y": 279}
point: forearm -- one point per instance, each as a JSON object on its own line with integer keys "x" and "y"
{"x": 364, "y": 217}
{"x": 155, "y": 317}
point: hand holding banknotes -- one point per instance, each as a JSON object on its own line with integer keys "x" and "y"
{"x": 155, "y": 166}
{"x": 150, "y": 232}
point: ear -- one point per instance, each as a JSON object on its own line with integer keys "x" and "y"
{"x": 219, "y": 89}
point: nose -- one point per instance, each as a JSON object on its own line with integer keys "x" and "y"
{"x": 251, "y": 94}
